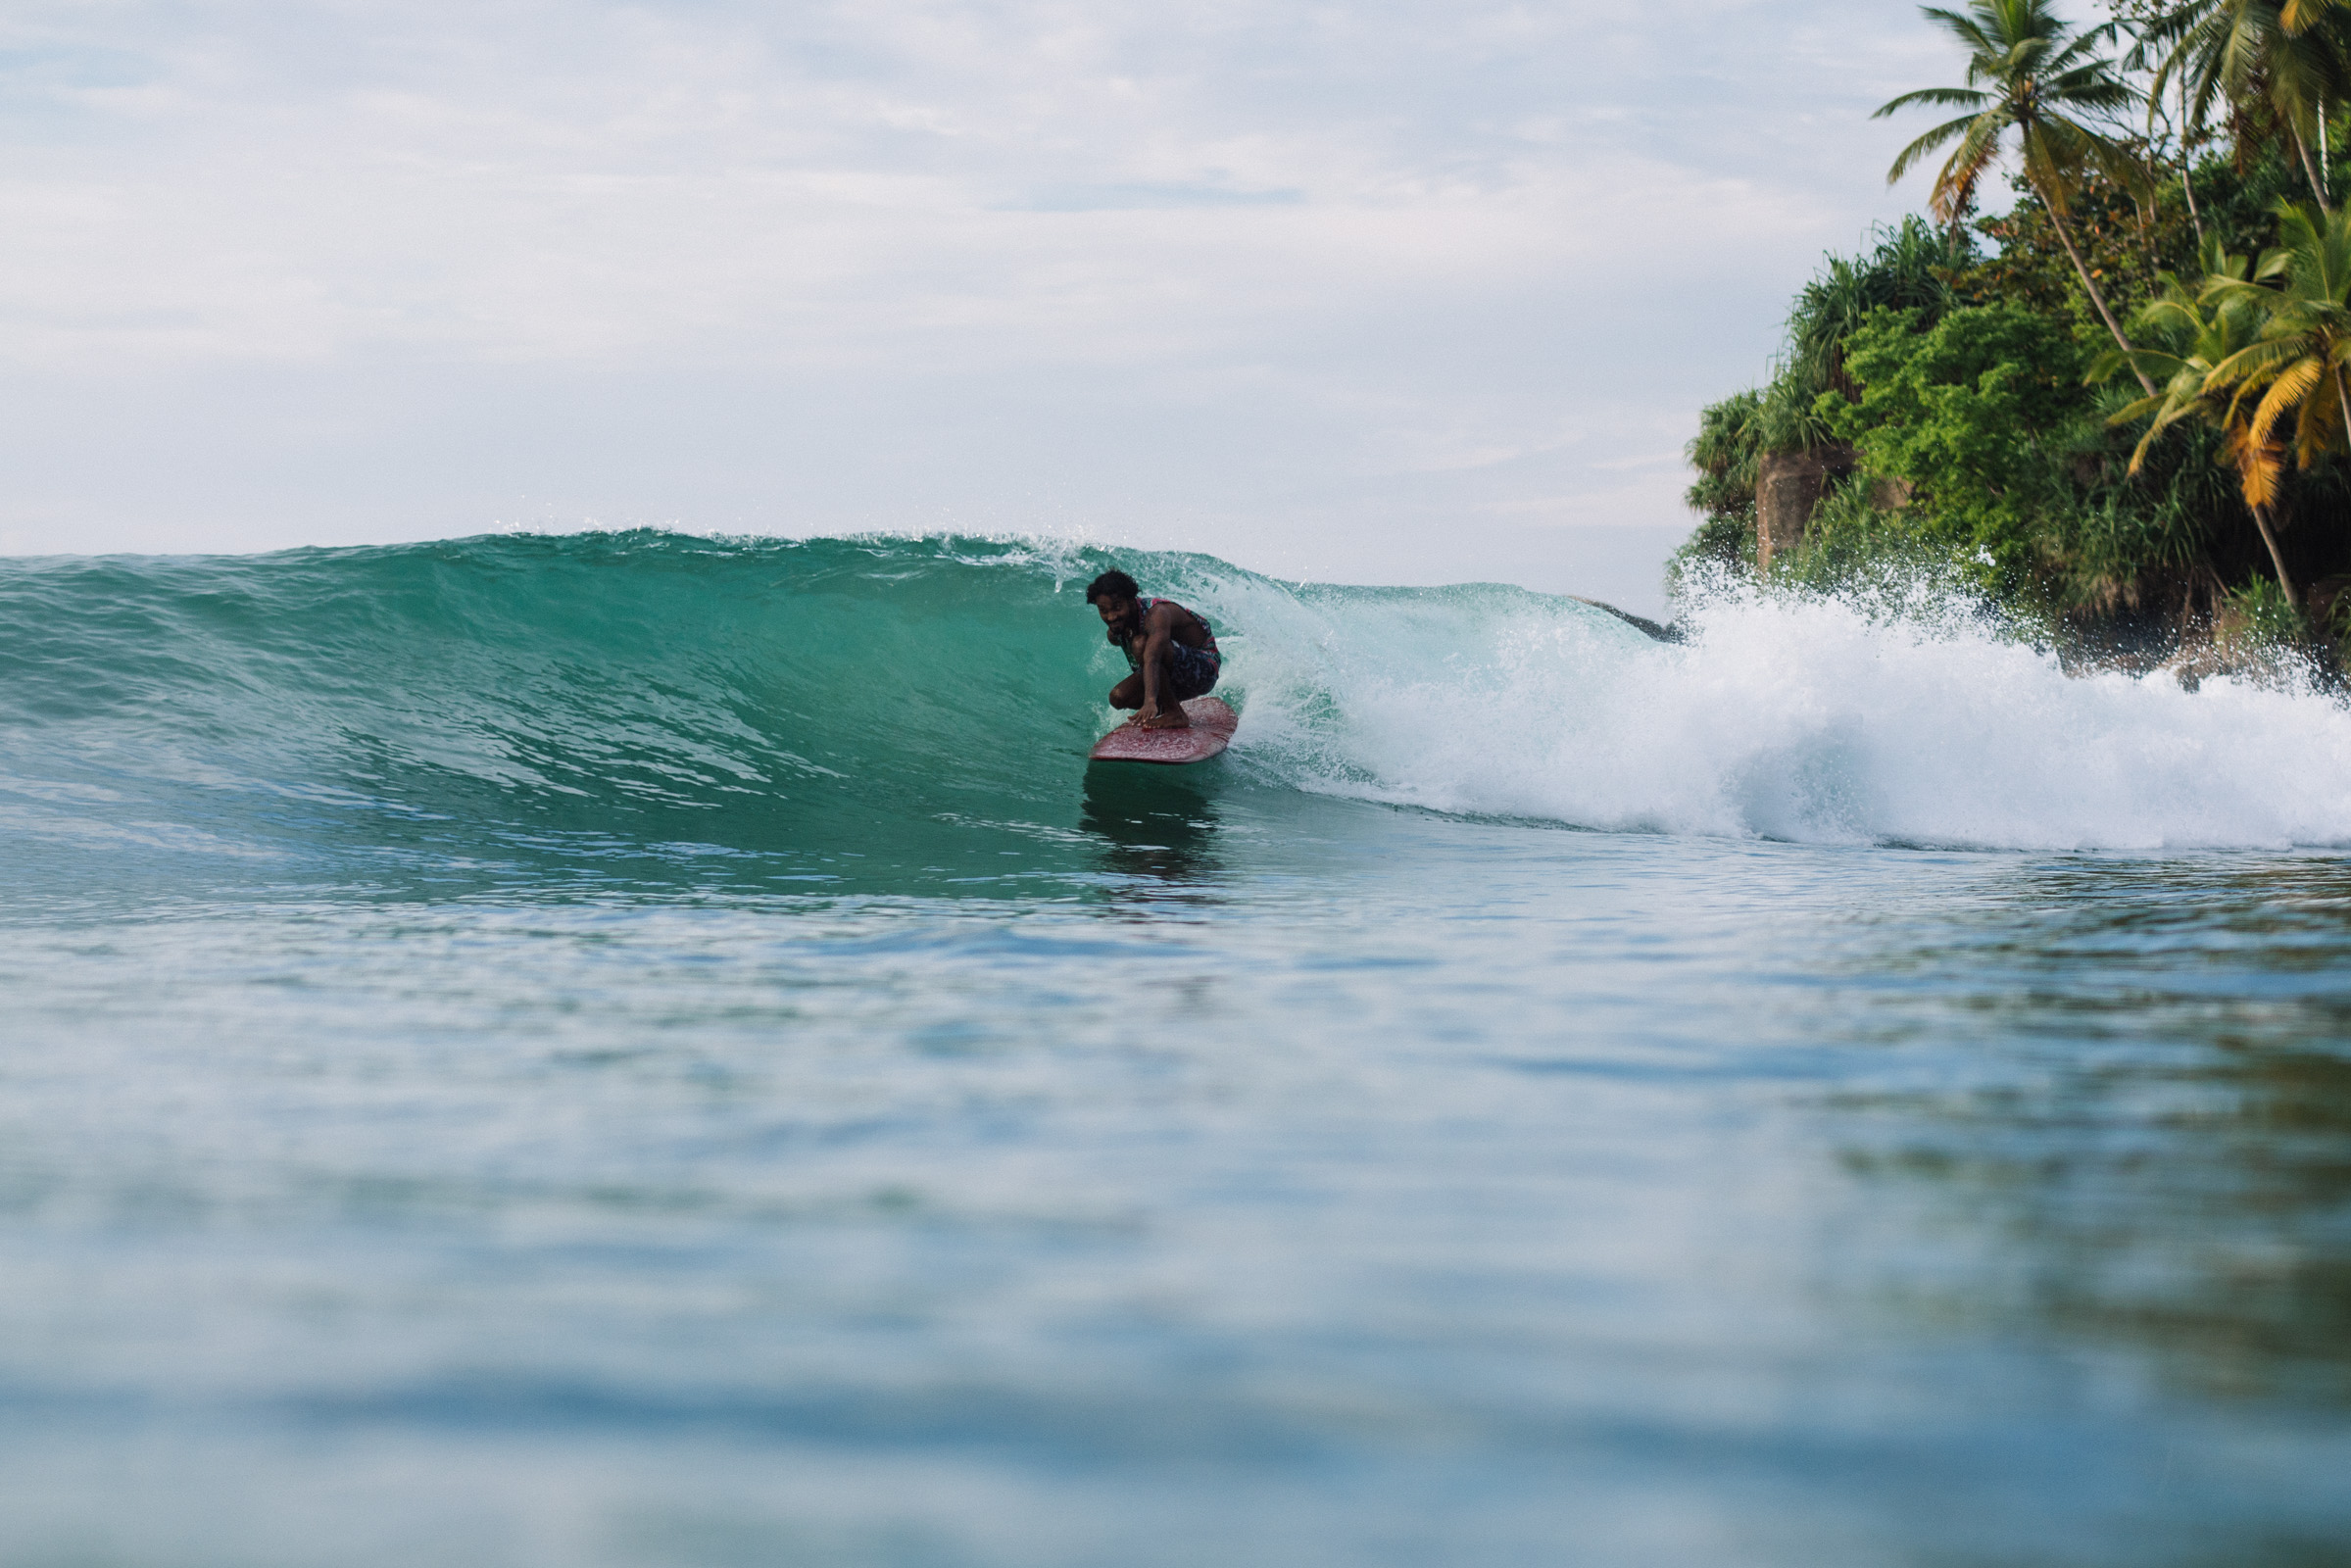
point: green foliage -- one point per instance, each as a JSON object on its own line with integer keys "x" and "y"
{"x": 1726, "y": 452}
{"x": 2267, "y": 63}
{"x": 1728, "y": 446}
{"x": 1909, "y": 269}
{"x": 2186, "y": 333}
{"x": 1856, "y": 544}
{"x": 1983, "y": 372}
{"x": 1965, "y": 410}
{"x": 2296, "y": 365}
{"x": 2124, "y": 243}
{"x": 2259, "y": 620}
{"x": 2337, "y": 629}
{"x": 2122, "y": 536}
{"x": 2238, "y": 195}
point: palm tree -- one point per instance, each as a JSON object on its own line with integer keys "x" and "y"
{"x": 2296, "y": 365}
{"x": 2024, "y": 74}
{"x": 2271, "y": 59}
{"x": 2193, "y": 329}
{"x": 2307, "y": 339}
{"x": 2184, "y": 334}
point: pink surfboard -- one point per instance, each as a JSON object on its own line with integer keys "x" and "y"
{"x": 1211, "y": 731}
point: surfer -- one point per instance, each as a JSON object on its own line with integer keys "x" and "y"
{"x": 1170, "y": 649}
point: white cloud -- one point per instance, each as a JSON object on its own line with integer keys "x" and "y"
{"x": 1276, "y": 255}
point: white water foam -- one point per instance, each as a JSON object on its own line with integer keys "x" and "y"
{"x": 1809, "y": 720}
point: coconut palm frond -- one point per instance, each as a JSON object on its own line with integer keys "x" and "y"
{"x": 2265, "y": 58}
{"x": 1910, "y": 156}
{"x": 2259, "y": 467}
{"x": 2294, "y": 382}
{"x": 1955, "y": 184}
{"x": 2255, "y": 363}
{"x": 1935, "y": 97}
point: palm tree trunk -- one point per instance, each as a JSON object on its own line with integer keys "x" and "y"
{"x": 2188, "y": 158}
{"x": 2261, "y": 520}
{"x": 2057, "y": 222}
{"x": 2343, "y": 401}
{"x": 2310, "y": 172}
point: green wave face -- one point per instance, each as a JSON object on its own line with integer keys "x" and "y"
{"x": 874, "y": 714}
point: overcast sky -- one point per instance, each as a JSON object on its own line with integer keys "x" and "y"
{"x": 1393, "y": 291}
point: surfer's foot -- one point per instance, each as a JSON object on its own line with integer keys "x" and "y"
{"x": 1178, "y": 719}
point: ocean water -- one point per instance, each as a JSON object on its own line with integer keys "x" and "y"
{"x": 643, "y": 1050}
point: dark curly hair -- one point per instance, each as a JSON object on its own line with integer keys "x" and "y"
{"x": 1113, "y": 584}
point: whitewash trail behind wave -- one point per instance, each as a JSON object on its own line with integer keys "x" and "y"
{"x": 1809, "y": 720}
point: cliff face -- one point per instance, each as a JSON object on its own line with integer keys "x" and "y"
{"x": 1788, "y": 486}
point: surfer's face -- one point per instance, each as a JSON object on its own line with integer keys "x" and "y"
{"x": 1118, "y": 614}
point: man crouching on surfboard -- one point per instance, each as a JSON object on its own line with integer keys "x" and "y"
{"x": 1170, "y": 649}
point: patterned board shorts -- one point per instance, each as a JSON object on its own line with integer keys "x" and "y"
{"x": 1195, "y": 670}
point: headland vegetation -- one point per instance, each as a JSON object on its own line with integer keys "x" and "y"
{"x": 2119, "y": 411}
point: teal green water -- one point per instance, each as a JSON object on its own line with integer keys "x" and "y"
{"x": 643, "y": 1050}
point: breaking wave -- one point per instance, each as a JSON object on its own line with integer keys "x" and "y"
{"x": 926, "y": 704}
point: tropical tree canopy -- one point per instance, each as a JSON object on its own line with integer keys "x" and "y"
{"x": 2183, "y": 332}
{"x": 2173, "y": 166}
{"x": 2273, "y": 60}
{"x": 2295, "y": 366}
{"x": 2026, "y": 71}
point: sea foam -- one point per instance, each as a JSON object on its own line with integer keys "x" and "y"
{"x": 1809, "y": 719}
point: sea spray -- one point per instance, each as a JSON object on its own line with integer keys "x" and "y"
{"x": 1817, "y": 717}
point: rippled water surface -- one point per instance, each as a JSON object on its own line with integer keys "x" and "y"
{"x": 437, "y": 1129}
